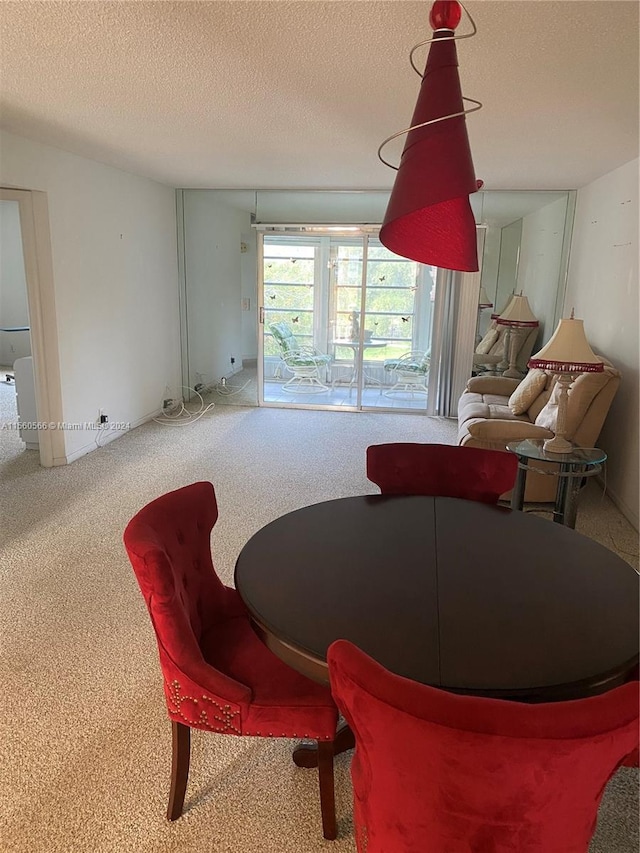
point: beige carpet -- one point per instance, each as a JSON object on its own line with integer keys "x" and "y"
{"x": 241, "y": 389}
{"x": 85, "y": 751}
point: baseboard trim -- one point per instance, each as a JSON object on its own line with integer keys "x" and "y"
{"x": 107, "y": 439}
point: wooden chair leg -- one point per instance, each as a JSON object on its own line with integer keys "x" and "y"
{"x": 181, "y": 751}
{"x": 327, "y": 796}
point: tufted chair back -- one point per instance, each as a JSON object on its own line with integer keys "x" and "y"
{"x": 168, "y": 543}
{"x": 218, "y": 675}
{"x": 409, "y": 468}
{"x": 437, "y": 771}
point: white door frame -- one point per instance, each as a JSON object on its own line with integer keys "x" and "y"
{"x": 38, "y": 265}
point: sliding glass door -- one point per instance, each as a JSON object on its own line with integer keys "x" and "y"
{"x": 345, "y": 323}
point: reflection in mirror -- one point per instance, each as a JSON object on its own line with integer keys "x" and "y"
{"x": 526, "y": 239}
{"x": 527, "y": 236}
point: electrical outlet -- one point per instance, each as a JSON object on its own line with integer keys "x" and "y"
{"x": 232, "y": 360}
{"x": 103, "y": 418}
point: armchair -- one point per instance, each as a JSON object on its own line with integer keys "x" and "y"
{"x": 410, "y": 372}
{"x": 303, "y": 362}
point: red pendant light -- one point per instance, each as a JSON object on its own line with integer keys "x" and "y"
{"x": 445, "y": 15}
{"x": 429, "y": 217}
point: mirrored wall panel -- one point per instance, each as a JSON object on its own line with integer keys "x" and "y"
{"x": 525, "y": 239}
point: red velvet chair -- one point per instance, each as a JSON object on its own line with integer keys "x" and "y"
{"x": 442, "y": 470}
{"x": 438, "y": 771}
{"x": 633, "y": 759}
{"x": 218, "y": 676}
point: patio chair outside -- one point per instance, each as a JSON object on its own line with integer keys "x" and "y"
{"x": 305, "y": 363}
{"x": 410, "y": 372}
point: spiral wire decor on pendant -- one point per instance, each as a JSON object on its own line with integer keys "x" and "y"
{"x": 429, "y": 217}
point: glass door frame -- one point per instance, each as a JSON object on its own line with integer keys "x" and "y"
{"x": 324, "y": 307}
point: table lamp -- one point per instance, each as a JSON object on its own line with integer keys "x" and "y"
{"x": 483, "y": 299}
{"x": 483, "y": 302}
{"x": 519, "y": 319}
{"x": 504, "y": 308}
{"x": 567, "y": 354}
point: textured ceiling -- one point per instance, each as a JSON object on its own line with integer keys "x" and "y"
{"x": 300, "y": 94}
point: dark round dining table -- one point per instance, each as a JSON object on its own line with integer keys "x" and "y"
{"x": 461, "y": 595}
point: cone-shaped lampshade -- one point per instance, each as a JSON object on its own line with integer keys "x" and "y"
{"x": 568, "y": 351}
{"x": 518, "y": 313}
{"x": 429, "y": 217}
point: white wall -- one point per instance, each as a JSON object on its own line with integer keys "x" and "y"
{"x": 114, "y": 249}
{"x": 213, "y": 232}
{"x": 13, "y": 286}
{"x": 510, "y": 237}
{"x": 249, "y": 274}
{"x": 489, "y": 278}
{"x": 540, "y": 262}
{"x": 603, "y": 288}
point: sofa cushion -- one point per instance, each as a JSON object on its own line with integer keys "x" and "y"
{"x": 492, "y": 385}
{"x": 581, "y": 394}
{"x": 472, "y": 406}
{"x": 506, "y": 430}
{"x": 531, "y": 386}
{"x": 487, "y": 342}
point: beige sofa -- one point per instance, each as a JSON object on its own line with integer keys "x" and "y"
{"x": 490, "y": 351}
{"x": 485, "y": 418}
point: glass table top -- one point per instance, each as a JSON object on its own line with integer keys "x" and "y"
{"x": 534, "y": 449}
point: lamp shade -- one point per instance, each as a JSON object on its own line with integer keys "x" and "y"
{"x": 508, "y": 303}
{"x": 429, "y": 217}
{"x": 518, "y": 313}
{"x": 568, "y": 351}
{"x": 483, "y": 299}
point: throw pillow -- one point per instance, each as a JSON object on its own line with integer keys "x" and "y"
{"x": 527, "y": 391}
{"x": 487, "y": 342}
{"x": 548, "y": 417}
{"x": 581, "y": 394}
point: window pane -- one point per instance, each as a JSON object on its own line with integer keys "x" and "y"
{"x": 391, "y": 274}
{"x": 348, "y": 299}
{"x": 293, "y": 297}
{"x": 390, "y": 301}
{"x": 290, "y": 270}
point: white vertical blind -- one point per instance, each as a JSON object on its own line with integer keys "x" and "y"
{"x": 454, "y": 331}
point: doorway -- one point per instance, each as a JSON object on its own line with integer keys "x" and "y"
{"x": 17, "y": 386}
{"x": 344, "y": 323}
{"x": 28, "y": 336}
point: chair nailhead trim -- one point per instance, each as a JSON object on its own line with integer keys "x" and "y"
{"x": 225, "y": 716}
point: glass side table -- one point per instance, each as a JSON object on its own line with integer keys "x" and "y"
{"x": 574, "y": 466}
